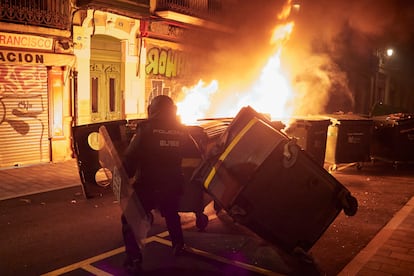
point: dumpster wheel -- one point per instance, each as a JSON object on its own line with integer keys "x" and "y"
{"x": 351, "y": 205}
{"x": 201, "y": 221}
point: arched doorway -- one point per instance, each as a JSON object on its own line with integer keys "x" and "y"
{"x": 105, "y": 79}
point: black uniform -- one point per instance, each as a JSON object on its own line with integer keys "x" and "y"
{"x": 154, "y": 157}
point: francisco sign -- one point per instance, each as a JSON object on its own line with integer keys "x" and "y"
{"x": 25, "y": 41}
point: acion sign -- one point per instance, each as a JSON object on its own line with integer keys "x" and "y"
{"x": 13, "y": 57}
{"x": 26, "y": 58}
{"x": 25, "y": 41}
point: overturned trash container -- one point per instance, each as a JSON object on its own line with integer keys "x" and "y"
{"x": 267, "y": 183}
{"x": 311, "y": 135}
{"x": 86, "y": 149}
{"x": 348, "y": 140}
{"x": 393, "y": 138}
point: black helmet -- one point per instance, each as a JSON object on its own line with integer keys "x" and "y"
{"x": 161, "y": 104}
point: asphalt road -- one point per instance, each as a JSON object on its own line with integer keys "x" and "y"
{"x": 381, "y": 191}
{"x": 50, "y": 231}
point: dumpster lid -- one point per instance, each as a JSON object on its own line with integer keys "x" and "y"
{"x": 337, "y": 119}
{"x": 394, "y": 119}
{"x": 309, "y": 120}
{"x": 214, "y": 127}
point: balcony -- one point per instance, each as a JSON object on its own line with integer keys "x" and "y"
{"x": 131, "y": 8}
{"x": 194, "y": 12}
{"x": 44, "y": 13}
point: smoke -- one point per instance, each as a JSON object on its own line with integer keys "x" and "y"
{"x": 330, "y": 41}
{"x": 235, "y": 57}
{"x": 333, "y": 45}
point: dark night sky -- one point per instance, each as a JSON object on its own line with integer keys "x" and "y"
{"x": 348, "y": 33}
{"x": 368, "y": 23}
{"x": 371, "y": 23}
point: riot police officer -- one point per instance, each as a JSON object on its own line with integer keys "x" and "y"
{"x": 154, "y": 157}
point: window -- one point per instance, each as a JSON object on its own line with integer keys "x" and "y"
{"x": 94, "y": 97}
{"x": 112, "y": 94}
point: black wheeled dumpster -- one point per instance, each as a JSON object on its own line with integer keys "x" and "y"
{"x": 86, "y": 149}
{"x": 348, "y": 140}
{"x": 393, "y": 138}
{"x": 310, "y": 134}
{"x": 267, "y": 183}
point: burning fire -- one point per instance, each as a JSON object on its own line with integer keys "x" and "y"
{"x": 196, "y": 101}
{"x": 271, "y": 93}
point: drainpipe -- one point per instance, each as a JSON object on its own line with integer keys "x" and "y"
{"x": 75, "y": 98}
{"x": 74, "y": 105}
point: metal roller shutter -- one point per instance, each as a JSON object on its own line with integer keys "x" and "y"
{"x": 23, "y": 115}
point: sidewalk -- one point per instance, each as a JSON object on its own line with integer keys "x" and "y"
{"x": 390, "y": 252}
{"x": 26, "y": 180}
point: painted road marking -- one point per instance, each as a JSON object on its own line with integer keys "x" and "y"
{"x": 96, "y": 271}
{"x": 220, "y": 258}
{"x": 86, "y": 264}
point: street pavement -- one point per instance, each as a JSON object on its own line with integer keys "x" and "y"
{"x": 390, "y": 252}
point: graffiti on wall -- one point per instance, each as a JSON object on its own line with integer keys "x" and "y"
{"x": 21, "y": 98}
{"x": 165, "y": 62}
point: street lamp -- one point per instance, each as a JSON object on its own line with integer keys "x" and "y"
{"x": 296, "y": 7}
{"x": 380, "y": 86}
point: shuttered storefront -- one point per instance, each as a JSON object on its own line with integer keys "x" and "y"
{"x": 23, "y": 115}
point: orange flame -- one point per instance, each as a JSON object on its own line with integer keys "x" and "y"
{"x": 270, "y": 94}
{"x": 196, "y": 101}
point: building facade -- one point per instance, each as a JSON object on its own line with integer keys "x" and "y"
{"x": 70, "y": 63}
{"x": 35, "y": 81}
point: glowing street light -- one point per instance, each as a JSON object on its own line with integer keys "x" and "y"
{"x": 380, "y": 82}
{"x": 296, "y": 7}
